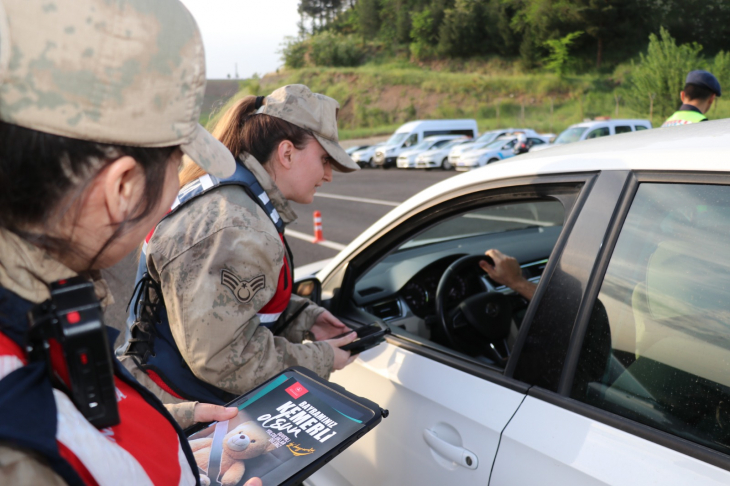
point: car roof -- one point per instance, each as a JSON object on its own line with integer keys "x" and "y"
{"x": 610, "y": 122}
{"x": 703, "y": 147}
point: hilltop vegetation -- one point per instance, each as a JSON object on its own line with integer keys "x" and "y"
{"x": 402, "y": 71}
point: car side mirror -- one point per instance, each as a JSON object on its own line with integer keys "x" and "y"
{"x": 309, "y": 288}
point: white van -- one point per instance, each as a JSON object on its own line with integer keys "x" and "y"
{"x": 414, "y": 132}
{"x": 595, "y": 129}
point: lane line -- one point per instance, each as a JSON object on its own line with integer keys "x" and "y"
{"x": 358, "y": 199}
{"x": 309, "y": 238}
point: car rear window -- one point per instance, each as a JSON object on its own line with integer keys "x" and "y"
{"x": 623, "y": 129}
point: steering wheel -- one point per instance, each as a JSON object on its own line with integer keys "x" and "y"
{"x": 479, "y": 320}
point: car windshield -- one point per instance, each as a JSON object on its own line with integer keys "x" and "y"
{"x": 423, "y": 145}
{"x": 570, "y": 135}
{"x": 486, "y": 137}
{"x": 397, "y": 138}
{"x": 497, "y": 144}
{"x": 452, "y": 143}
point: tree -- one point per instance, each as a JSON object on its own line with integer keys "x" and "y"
{"x": 369, "y": 18}
{"x": 559, "y": 59}
{"x": 661, "y": 73}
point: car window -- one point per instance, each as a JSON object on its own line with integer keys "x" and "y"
{"x": 535, "y": 141}
{"x": 598, "y": 132}
{"x": 657, "y": 347}
{"x": 509, "y": 144}
{"x": 570, "y": 135}
{"x": 396, "y": 138}
{"x": 440, "y": 143}
{"x": 623, "y": 129}
{"x": 402, "y": 287}
{"x": 412, "y": 140}
{"x": 640, "y": 127}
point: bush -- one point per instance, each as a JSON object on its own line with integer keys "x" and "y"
{"x": 327, "y": 49}
{"x": 294, "y": 53}
{"x": 661, "y": 74}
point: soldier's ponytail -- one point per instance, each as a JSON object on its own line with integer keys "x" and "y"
{"x": 244, "y": 131}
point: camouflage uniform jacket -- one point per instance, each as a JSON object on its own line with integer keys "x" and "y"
{"x": 217, "y": 331}
{"x": 26, "y": 270}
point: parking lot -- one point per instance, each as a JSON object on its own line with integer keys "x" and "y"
{"x": 349, "y": 204}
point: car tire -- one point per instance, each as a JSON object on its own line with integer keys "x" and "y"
{"x": 492, "y": 160}
{"x": 371, "y": 163}
{"x": 446, "y": 165}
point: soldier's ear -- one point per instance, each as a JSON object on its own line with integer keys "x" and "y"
{"x": 284, "y": 153}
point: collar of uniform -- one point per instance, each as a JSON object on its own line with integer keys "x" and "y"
{"x": 277, "y": 198}
{"x": 687, "y": 107}
{"x": 27, "y": 270}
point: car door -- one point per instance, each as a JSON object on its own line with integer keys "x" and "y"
{"x": 447, "y": 408}
{"x": 507, "y": 149}
{"x": 642, "y": 394}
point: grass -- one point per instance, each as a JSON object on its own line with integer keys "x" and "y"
{"x": 377, "y": 98}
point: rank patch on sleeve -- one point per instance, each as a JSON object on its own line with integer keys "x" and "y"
{"x": 243, "y": 290}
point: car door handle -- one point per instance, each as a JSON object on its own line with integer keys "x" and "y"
{"x": 459, "y": 455}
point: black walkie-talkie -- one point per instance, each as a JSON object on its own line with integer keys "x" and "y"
{"x": 68, "y": 329}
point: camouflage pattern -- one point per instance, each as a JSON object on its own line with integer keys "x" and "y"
{"x": 127, "y": 72}
{"x": 219, "y": 335}
{"x": 22, "y": 468}
{"x": 315, "y": 112}
{"x": 183, "y": 413}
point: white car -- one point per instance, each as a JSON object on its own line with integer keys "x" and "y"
{"x": 439, "y": 156}
{"x": 485, "y": 139}
{"x": 407, "y": 159}
{"x": 616, "y": 372}
{"x": 365, "y": 157}
{"x": 595, "y": 129}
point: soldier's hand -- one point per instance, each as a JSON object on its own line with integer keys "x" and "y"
{"x": 327, "y": 326}
{"x": 342, "y": 357}
{"x": 207, "y": 412}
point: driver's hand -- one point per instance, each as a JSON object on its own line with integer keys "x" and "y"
{"x": 327, "y": 326}
{"x": 506, "y": 271}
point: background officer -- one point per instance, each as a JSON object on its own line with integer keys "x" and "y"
{"x": 699, "y": 92}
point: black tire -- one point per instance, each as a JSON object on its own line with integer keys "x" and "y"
{"x": 371, "y": 163}
{"x": 446, "y": 165}
{"x": 492, "y": 160}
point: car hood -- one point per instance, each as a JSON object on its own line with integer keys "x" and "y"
{"x": 408, "y": 153}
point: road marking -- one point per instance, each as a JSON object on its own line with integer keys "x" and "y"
{"x": 358, "y": 199}
{"x": 309, "y": 238}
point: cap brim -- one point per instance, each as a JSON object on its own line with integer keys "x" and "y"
{"x": 344, "y": 162}
{"x": 209, "y": 153}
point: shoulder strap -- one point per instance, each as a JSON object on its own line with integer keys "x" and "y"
{"x": 242, "y": 177}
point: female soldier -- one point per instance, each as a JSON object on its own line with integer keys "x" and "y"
{"x": 227, "y": 319}
{"x": 96, "y": 109}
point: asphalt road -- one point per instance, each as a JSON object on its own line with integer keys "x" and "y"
{"x": 344, "y": 216}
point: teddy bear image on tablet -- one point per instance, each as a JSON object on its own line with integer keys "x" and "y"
{"x": 246, "y": 441}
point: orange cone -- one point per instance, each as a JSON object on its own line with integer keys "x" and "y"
{"x": 318, "y": 238}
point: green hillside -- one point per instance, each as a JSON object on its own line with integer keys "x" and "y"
{"x": 377, "y": 99}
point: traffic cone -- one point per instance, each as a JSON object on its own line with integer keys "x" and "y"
{"x": 318, "y": 238}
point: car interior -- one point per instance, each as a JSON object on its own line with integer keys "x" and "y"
{"x": 430, "y": 288}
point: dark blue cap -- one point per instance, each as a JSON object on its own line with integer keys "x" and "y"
{"x": 704, "y": 79}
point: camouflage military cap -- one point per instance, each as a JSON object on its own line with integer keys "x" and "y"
{"x": 317, "y": 113}
{"x": 128, "y": 72}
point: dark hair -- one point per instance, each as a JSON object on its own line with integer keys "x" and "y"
{"x": 40, "y": 172}
{"x": 243, "y": 131}
{"x": 697, "y": 92}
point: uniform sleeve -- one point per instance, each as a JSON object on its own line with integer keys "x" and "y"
{"x": 183, "y": 413}
{"x": 19, "y": 467}
{"x": 212, "y": 293}
{"x": 303, "y": 313}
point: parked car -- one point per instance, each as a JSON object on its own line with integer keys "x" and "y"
{"x": 439, "y": 156}
{"x": 414, "y": 132}
{"x": 485, "y": 139}
{"x": 407, "y": 158}
{"x": 355, "y": 148}
{"x": 364, "y": 157}
{"x": 596, "y": 129}
{"x": 500, "y": 149}
{"x": 616, "y": 372}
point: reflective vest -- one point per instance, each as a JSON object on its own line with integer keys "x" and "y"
{"x": 684, "y": 118}
{"x": 146, "y": 447}
{"x": 152, "y": 346}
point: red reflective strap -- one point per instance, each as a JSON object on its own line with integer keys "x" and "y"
{"x": 73, "y": 317}
{"x": 76, "y": 464}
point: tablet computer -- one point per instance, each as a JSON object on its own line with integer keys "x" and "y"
{"x": 285, "y": 430}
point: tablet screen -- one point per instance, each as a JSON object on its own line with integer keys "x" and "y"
{"x": 280, "y": 429}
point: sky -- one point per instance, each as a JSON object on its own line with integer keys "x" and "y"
{"x": 247, "y": 32}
